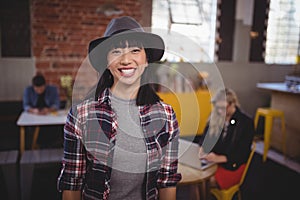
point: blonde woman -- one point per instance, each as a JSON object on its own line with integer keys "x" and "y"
{"x": 227, "y": 139}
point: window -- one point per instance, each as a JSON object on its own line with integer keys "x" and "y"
{"x": 189, "y": 28}
{"x": 15, "y": 28}
{"x": 283, "y": 32}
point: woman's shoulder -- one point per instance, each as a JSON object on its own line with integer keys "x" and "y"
{"x": 87, "y": 104}
{"x": 165, "y": 106}
{"x": 29, "y": 88}
{"x": 82, "y": 110}
{"x": 83, "y": 107}
{"x": 158, "y": 108}
{"x": 243, "y": 116}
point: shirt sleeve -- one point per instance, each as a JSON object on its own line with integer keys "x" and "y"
{"x": 53, "y": 97}
{"x": 168, "y": 175}
{"x": 26, "y": 99}
{"x": 74, "y": 162}
{"x": 239, "y": 153}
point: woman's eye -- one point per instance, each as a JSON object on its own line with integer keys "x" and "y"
{"x": 115, "y": 52}
{"x": 136, "y": 50}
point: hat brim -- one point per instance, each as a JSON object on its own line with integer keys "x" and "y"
{"x": 98, "y": 48}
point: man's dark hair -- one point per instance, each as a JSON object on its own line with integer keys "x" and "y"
{"x": 38, "y": 80}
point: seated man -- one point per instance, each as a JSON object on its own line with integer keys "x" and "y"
{"x": 40, "y": 98}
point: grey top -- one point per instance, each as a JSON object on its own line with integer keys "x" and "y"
{"x": 130, "y": 158}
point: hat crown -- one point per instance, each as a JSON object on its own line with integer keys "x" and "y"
{"x": 122, "y": 24}
{"x": 122, "y": 28}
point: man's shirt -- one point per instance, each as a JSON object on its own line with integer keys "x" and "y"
{"x": 51, "y": 98}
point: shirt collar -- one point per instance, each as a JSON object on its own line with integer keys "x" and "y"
{"x": 235, "y": 116}
{"x": 105, "y": 96}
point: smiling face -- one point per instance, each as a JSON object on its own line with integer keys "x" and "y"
{"x": 127, "y": 63}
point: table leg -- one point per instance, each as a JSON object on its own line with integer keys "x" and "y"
{"x": 204, "y": 190}
{"x": 35, "y": 137}
{"x": 22, "y": 139}
{"x": 196, "y": 192}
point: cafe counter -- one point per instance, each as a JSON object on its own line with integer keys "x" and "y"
{"x": 288, "y": 101}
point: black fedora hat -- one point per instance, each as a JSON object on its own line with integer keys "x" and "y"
{"x": 124, "y": 27}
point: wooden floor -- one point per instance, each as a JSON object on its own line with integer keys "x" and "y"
{"x": 269, "y": 180}
{"x": 278, "y": 157}
{"x": 275, "y": 179}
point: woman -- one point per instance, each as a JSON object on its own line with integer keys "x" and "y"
{"x": 122, "y": 143}
{"x": 227, "y": 140}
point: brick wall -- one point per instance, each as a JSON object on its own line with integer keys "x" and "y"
{"x": 62, "y": 29}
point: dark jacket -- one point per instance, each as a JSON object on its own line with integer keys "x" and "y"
{"x": 236, "y": 145}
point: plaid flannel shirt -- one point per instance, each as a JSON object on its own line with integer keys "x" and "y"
{"x": 89, "y": 140}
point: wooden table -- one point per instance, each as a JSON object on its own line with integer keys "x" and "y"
{"x": 192, "y": 176}
{"x": 289, "y": 102}
{"x": 28, "y": 119}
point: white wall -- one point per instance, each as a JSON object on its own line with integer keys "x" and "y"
{"x": 243, "y": 77}
{"x": 15, "y": 75}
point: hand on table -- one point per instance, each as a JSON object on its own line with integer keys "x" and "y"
{"x": 43, "y": 111}
{"x": 34, "y": 111}
{"x": 211, "y": 157}
{"x": 201, "y": 153}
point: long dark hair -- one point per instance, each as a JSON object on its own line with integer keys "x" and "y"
{"x": 146, "y": 93}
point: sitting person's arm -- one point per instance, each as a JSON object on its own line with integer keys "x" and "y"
{"x": 26, "y": 100}
{"x": 213, "y": 157}
{"x": 52, "y": 98}
{"x": 45, "y": 111}
{"x": 33, "y": 110}
{"x": 71, "y": 195}
{"x": 167, "y": 193}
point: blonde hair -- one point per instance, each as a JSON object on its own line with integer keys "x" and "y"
{"x": 216, "y": 122}
{"x": 228, "y": 95}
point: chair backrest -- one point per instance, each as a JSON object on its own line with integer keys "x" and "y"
{"x": 248, "y": 162}
{"x": 192, "y": 110}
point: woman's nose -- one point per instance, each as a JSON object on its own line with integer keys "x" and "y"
{"x": 125, "y": 58}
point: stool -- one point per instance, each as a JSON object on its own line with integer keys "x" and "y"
{"x": 8, "y": 166}
{"x": 28, "y": 161}
{"x": 270, "y": 114}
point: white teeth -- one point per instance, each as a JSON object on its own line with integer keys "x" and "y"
{"x": 127, "y": 71}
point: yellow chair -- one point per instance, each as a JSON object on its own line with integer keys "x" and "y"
{"x": 192, "y": 110}
{"x": 269, "y": 115}
{"x": 227, "y": 194}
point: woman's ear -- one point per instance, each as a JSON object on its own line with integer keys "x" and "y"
{"x": 108, "y": 67}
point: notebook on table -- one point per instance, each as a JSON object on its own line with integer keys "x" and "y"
{"x": 188, "y": 155}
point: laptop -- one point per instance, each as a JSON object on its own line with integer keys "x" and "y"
{"x": 188, "y": 155}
